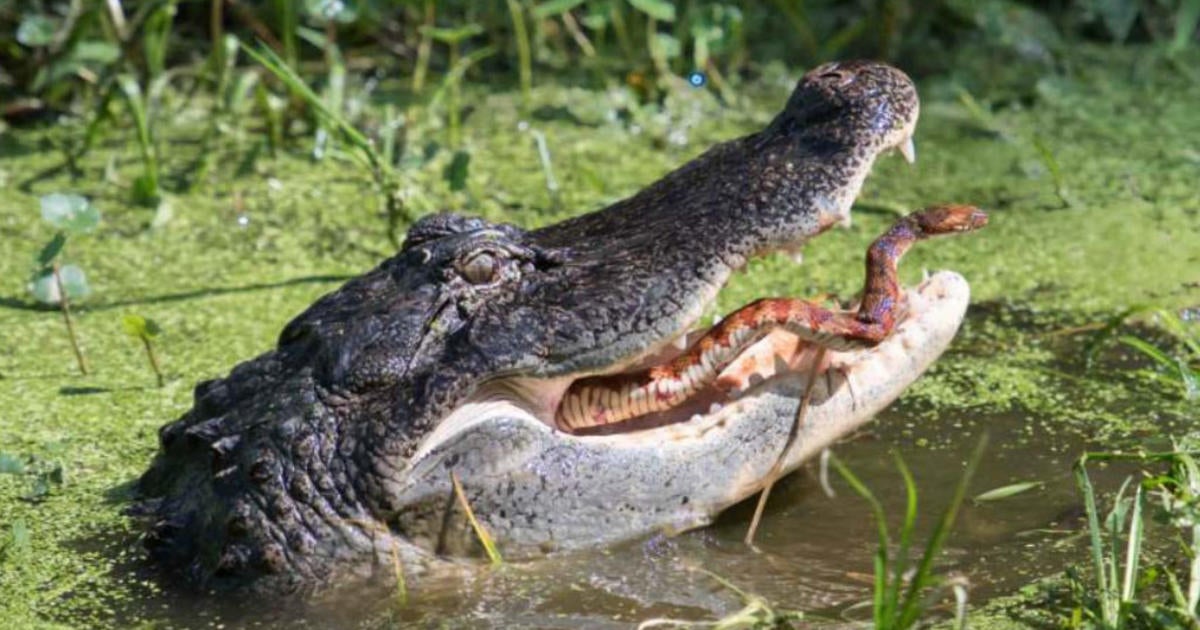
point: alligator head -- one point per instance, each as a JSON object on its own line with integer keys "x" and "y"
{"x": 319, "y": 459}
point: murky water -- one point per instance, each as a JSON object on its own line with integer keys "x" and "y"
{"x": 814, "y": 552}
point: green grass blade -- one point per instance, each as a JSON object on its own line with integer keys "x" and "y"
{"x": 900, "y": 565}
{"x": 1004, "y": 492}
{"x": 1150, "y": 350}
{"x": 1186, "y": 19}
{"x": 276, "y": 66}
{"x": 1101, "y": 337}
{"x": 455, "y": 74}
{"x": 1133, "y": 549}
{"x": 885, "y": 542}
{"x": 911, "y": 609}
{"x": 484, "y": 536}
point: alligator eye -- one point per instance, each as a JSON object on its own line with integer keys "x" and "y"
{"x": 838, "y": 76}
{"x": 480, "y": 268}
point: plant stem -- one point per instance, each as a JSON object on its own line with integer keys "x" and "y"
{"x": 454, "y": 97}
{"x": 793, "y": 432}
{"x": 523, "y": 55}
{"x": 423, "y": 50}
{"x": 153, "y": 360}
{"x": 65, "y": 305}
{"x": 216, "y": 27}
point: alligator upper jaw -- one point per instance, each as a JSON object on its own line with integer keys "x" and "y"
{"x": 765, "y": 383}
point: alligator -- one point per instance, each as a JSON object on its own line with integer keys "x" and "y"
{"x": 559, "y": 375}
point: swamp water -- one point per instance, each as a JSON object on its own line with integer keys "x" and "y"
{"x": 813, "y": 552}
{"x": 1109, "y": 220}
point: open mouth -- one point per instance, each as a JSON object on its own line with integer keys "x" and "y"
{"x": 848, "y": 385}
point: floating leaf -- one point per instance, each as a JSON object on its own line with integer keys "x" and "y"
{"x": 140, "y": 327}
{"x": 74, "y": 282}
{"x": 36, "y": 30}
{"x": 1004, "y": 492}
{"x": 657, "y": 9}
{"x": 11, "y": 465}
{"x": 554, "y": 7}
{"x": 51, "y": 250}
{"x": 456, "y": 171}
{"x": 71, "y": 213}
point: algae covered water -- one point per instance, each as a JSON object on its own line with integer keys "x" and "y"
{"x": 1089, "y": 175}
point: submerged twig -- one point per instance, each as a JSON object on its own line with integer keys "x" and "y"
{"x": 773, "y": 476}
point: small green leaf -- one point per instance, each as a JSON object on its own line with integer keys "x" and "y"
{"x": 45, "y": 290}
{"x": 554, "y": 7}
{"x": 42, "y": 287}
{"x": 70, "y": 213}
{"x": 657, "y": 9}
{"x": 140, "y": 327}
{"x": 74, "y": 282}
{"x": 1004, "y": 492}
{"x": 11, "y": 465}
{"x": 456, "y": 171}
{"x": 51, "y": 250}
{"x": 36, "y": 30}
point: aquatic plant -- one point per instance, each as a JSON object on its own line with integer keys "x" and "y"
{"x": 145, "y": 188}
{"x": 382, "y": 173}
{"x": 1178, "y": 365}
{"x": 895, "y": 606}
{"x": 452, "y": 83}
{"x": 53, "y": 282}
{"x": 146, "y": 331}
{"x": 1116, "y": 599}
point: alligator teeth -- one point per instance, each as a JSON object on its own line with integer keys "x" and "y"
{"x": 714, "y": 408}
{"x": 909, "y": 150}
{"x": 681, "y": 342}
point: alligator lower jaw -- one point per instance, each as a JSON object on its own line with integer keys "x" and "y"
{"x": 849, "y": 388}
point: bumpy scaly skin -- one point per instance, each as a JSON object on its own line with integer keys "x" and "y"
{"x": 607, "y": 400}
{"x": 282, "y": 471}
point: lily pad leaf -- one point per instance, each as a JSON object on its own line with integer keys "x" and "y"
{"x": 74, "y": 283}
{"x": 1004, "y": 492}
{"x": 140, "y": 327}
{"x": 51, "y": 250}
{"x": 657, "y": 9}
{"x": 70, "y": 213}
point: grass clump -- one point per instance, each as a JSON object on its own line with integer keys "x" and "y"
{"x": 1118, "y": 596}
{"x": 1177, "y": 364}
{"x": 901, "y": 599}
